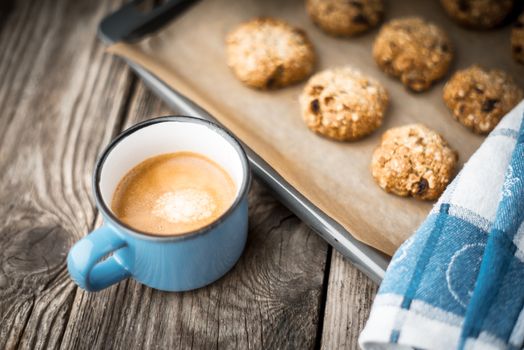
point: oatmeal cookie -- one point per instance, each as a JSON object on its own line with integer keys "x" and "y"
{"x": 479, "y": 14}
{"x": 345, "y": 18}
{"x": 517, "y": 39}
{"x": 268, "y": 53}
{"x": 413, "y": 160}
{"x": 343, "y": 104}
{"x": 417, "y": 52}
{"x": 479, "y": 98}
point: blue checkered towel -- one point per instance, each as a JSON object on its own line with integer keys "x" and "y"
{"x": 458, "y": 282}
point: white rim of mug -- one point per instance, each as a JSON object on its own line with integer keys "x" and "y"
{"x": 242, "y": 192}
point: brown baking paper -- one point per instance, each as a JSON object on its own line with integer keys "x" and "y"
{"x": 189, "y": 55}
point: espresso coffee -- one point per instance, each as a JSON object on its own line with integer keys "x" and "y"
{"x": 173, "y": 193}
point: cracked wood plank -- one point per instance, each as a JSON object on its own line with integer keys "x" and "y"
{"x": 348, "y": 302}
{"x": 271, "y": 298}
{"x": 60, "y": 99}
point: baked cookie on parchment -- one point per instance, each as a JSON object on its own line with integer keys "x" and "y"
{"x": 268, "y": 53}
{"x": 479, "y": 98}
{"x": 413, "y": 50}
{"x": 343, "y": 104}
{"x": 479, "y": 14}
{"x": 413, "y": 160}
{"x": 345, "y": 17}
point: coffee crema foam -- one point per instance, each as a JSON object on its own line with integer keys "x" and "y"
{"x": 185, "y": 205}
{"x": 173, "y": 193}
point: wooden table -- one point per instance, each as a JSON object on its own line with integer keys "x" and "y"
{"x": 61, "y": 100}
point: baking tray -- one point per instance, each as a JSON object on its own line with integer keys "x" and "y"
{"x": 130, "y": 23}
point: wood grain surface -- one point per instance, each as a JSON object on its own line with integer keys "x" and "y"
{"x": 350, "y": 294}
{"x": 61, "y": 100}
{"x": 269, "y": 300}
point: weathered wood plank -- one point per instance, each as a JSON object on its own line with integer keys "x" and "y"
{"x": 270, "y": 299}
{"x": 60, "y": 98}
{"x": 348, "y": 302}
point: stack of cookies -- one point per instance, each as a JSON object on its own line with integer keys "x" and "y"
{"x": 343, "y": 104}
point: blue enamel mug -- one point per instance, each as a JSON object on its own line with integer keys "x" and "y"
{"x": 179, "y": 262}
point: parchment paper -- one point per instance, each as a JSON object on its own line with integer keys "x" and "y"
{"x": 189, "y": 55}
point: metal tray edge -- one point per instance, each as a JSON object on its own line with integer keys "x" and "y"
{"x": 367, "y": 259}
{"x": 126, "y": 23}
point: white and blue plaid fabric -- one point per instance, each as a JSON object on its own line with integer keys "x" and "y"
{"x": 458, "y": 282}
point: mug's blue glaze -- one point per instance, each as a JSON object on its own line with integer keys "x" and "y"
{"x": 161, "y": 263}
{"x": 169, "y": 263}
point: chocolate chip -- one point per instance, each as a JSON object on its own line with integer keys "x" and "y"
{"x": 273, "y": 78}
{"x": 317, "y": 89}
{"x": 489, "y": 104}
{"x": 315, "y": 106}
{"x": 463, "y": 6}
{"x": 270, "y": 83}
{"x": 356, "y": 4}
{"x": 328, "y": 100}
{"x": 299, "y": 31}
{"x": 360, "y": 19}
{"x": 422, "y": 186}
{"x": 517, "y": 49}
{"x": 478, "y": 89}
{"x": 444, "y": 47}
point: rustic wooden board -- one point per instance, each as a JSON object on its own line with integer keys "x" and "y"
{"x": 62, "y": 99}
{"x": 270, "y": 299}
{"x": 349, "y": 297}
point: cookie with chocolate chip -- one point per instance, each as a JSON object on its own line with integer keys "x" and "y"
{"x": 345, "y": 17}
{"x": 517, "y": 39}
{"x": 415, "y": 161}
{"x": 268, "y": 53}
{"x": 479, "y": 14}
{"x": 343, "y": 104}
{"x": 479, "y": 98}
{"x": 413, "y": 50}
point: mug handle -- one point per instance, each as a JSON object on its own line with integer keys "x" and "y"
{"x": 84, "y": 265}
